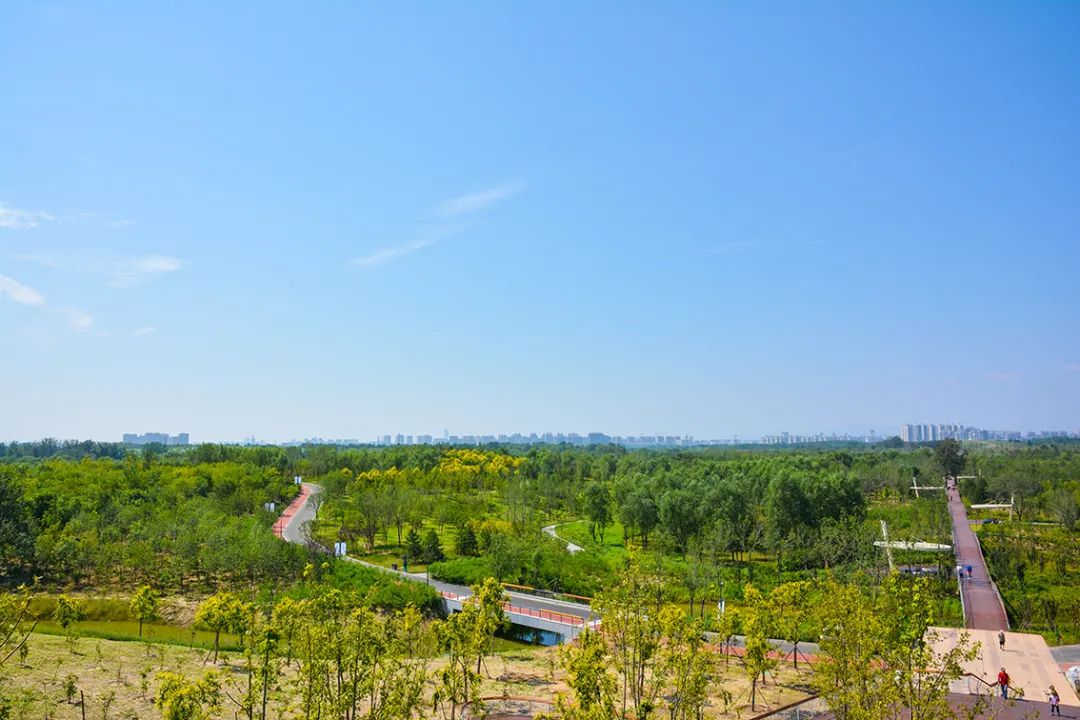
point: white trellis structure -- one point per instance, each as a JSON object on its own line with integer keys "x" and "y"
{"x": 916, "y": 487}
{"x": 997, "y": 506}
{"x": 915, "y": 545}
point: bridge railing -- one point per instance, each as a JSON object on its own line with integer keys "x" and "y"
{"x": 551, "y": 615}
{"x": 548, "y": 594}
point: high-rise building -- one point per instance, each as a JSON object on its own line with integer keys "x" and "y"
{"x": 159, "y": 438}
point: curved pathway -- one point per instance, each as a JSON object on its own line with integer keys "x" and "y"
{"x": 570, "y": 547}
{"x": 291, "y": 527}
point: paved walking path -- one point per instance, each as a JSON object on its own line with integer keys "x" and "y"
{"x": 983, "y": 609}
{"x": 289, "y": 526}
{"x": 570, "y": 547}
{"x": 1025, "y": 657}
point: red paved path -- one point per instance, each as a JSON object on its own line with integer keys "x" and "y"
{"x": 983, "y": 609}
{"x": 296, "y": 504}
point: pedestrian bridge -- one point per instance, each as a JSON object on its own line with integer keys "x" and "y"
{"x": 565, "y": 625}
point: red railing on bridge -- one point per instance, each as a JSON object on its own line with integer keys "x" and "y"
{"x": 529, "y": 612}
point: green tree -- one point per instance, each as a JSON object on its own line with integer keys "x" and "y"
{"x": 589, "y": 677}
{"x": 431, "y": 551}
{"x": 1064, "y": 506}
{"x": 877, "y": 657}
{"x": 287, "y": 618}
{"x": 144, "y": 606}
{"x": 597, "y": 502}
{"x": 413, "y": 545}
{"x": 759, "y": 626}
{"x": 67, "y": 612}
{"x": 950, "y": 457}
{"x": 640, "y": 515}
{"x": 679, "y": 513}
{"x": 688, "y": 664}
{"x": 793, "y": 612}
{"x": 460, "y": 638}
{"x": 466, "y": 544}
{"x": 632, "y": 633}
{"x": 222, "y": 612}
{"x": 490, "y": 598}
{"x": 262, "y": 666}
{"x": 786, "y": 510}
{"x": 183, "y": 699}
{"x": 16, "y": 530}
{"x": 16, "y": 622}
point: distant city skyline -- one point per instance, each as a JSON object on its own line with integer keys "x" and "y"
{"x": 916, "y": 433}
{"x": 339, "y": 219}
{"x": 155, "y": 437}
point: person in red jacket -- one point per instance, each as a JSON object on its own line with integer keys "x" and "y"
{"x": 1003, "y": 683}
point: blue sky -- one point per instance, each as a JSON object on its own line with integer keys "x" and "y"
{"x": 346, "y": 219}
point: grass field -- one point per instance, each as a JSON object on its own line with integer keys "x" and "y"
{"x": 117, "y": 679}
{"x": 129, "y": 630}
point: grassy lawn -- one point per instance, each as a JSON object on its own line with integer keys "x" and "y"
{"x": 612, "y": 551}
{"x": 386, "y": 551}
{"x": 152, "y": 633}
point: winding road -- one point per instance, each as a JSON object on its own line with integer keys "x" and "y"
{"x": 292, "y": 527}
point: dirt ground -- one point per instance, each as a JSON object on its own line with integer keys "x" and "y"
{"x": 116, "y": 680}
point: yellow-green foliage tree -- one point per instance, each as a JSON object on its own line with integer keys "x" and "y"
{"x": 688, "y": 665}
{"x": 877, "y": 660}
{"x": 144, "y": 606}
{"x": 181, "y": 699}
{"x": 793, "y": 613}
{"x": 222, "y": 612}
{"x": 15, "y": 622}
{"x": 66, "y": 613}
{"x": 759, "y": 624}
{"x": 633, "y": 635}
{"x": 593, "y": 688}
{"x": 355, "y": 662}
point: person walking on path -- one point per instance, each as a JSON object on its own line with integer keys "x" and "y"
{"x": 1001, "y": 642}
{"x": 1003, "y": 683}
{"x": 1054, "y": 699}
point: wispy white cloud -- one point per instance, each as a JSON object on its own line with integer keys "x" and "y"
{"x": 26, "y": 295}
{"x": 16, "y": 219}
{"x": 43, "y": 259}
{"x": 138, "y": 270}
{"x": 148, "y": 330}
{"x": 78, "y": 319}
{"x": 106, "y": 219}
{"x": 1072, "y": 367}
{"x": 473, "y": 202}
{"x": 118, "y": 271}
{"x": 429, "y": 238}
{"x": 431, "y": 234}
{"x": 22, "y": 294}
